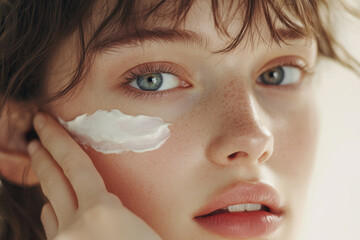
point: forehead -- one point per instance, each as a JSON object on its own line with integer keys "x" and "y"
{"x": 191, "y": 21}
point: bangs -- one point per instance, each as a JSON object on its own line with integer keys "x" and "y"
{"x": 297, "y": 19}
{"x": 286, "y": 19}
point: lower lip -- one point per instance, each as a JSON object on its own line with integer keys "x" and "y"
{"x": 241, "y": 224}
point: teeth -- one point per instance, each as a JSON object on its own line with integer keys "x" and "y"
{"x": 247, "y": 207}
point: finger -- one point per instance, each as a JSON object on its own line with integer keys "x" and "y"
{"x": 75, "y": 234}
{"x": 16, "y": 168}
{"x": 53, "y": 183}
{"x": 49, "y": 221}
{"x": 75, "y": 163}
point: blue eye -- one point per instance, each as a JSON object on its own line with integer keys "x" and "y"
{"x": 155, "y": 82}
{"x": 281, "y": 75}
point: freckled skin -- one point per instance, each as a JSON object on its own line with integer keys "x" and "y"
{"x": 270, "y": 135}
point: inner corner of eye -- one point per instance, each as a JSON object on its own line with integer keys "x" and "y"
{"x": 184, "y": 84}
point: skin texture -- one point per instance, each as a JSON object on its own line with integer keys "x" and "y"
{"x": 226, "y": 127}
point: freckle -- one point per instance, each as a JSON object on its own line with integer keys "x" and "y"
{"x": 231, "y": 84}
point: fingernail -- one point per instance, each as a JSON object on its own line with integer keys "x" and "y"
{"x": 39, "y": 121}
{"x": 32, "y": 147}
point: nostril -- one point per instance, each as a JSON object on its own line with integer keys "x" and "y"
{"x": 264, "y": 157}
{"x": 240, "y": 154}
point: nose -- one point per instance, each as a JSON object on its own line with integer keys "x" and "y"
{"x": 243, "y": 139}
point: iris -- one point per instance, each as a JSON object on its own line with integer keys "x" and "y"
{"x": 150, "y": 82}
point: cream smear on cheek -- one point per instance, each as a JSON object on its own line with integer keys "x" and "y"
{"x": 113, "y": 132}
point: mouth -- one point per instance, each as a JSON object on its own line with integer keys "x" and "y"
{"x": 245, "y": 207}
{"x": 243, "y": 211}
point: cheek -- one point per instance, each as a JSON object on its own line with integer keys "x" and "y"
{"x": 296, "y": 143}
{"x": 294, "y": 157}
{"x": 150, "y": 183}
{"x": 132, "y": 178}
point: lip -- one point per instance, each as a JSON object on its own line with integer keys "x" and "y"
{"x": 243, "y": 224}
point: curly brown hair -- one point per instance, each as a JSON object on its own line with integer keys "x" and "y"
{"x": 31, "y": 30}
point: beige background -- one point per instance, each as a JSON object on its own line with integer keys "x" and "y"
{"x": 334, "y": 199}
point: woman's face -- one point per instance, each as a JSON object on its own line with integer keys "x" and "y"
{"x": 228, "y": 126}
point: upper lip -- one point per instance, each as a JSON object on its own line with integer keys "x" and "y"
{"x": 244, "y": 192}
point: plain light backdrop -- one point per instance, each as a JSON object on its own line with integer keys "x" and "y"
{"x": 333, "y": 211}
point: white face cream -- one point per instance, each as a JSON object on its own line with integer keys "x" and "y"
{"x": 115, "y": 132}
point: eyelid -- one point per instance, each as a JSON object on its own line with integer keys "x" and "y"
{"x": 153, "y": 67}
{"x": 290, "y": 61}
{"x": 286, "y": 61}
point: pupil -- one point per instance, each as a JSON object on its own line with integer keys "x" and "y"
{"x": 151, "y": 79}
{"x": 273, "y": 76}
{"x": 150, "y": 82}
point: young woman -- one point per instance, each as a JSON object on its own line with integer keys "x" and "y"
{"x": 159, "y": 119}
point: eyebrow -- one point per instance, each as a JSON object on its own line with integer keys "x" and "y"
{"x": 289, "y": 35}
{"x": 164, "y": 35}
{"x": 161, "y": 35}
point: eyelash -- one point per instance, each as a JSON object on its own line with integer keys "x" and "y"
{"x": 299, "y": 64}
{"x": 296, "y": 64}
{"x": 169, "y": 68}
{"x": 143, "y": 69}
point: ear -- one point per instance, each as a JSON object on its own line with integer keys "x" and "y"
{"x": 15, "y": 126}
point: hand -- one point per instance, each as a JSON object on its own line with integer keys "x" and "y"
{"x": 79, "y": 205}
